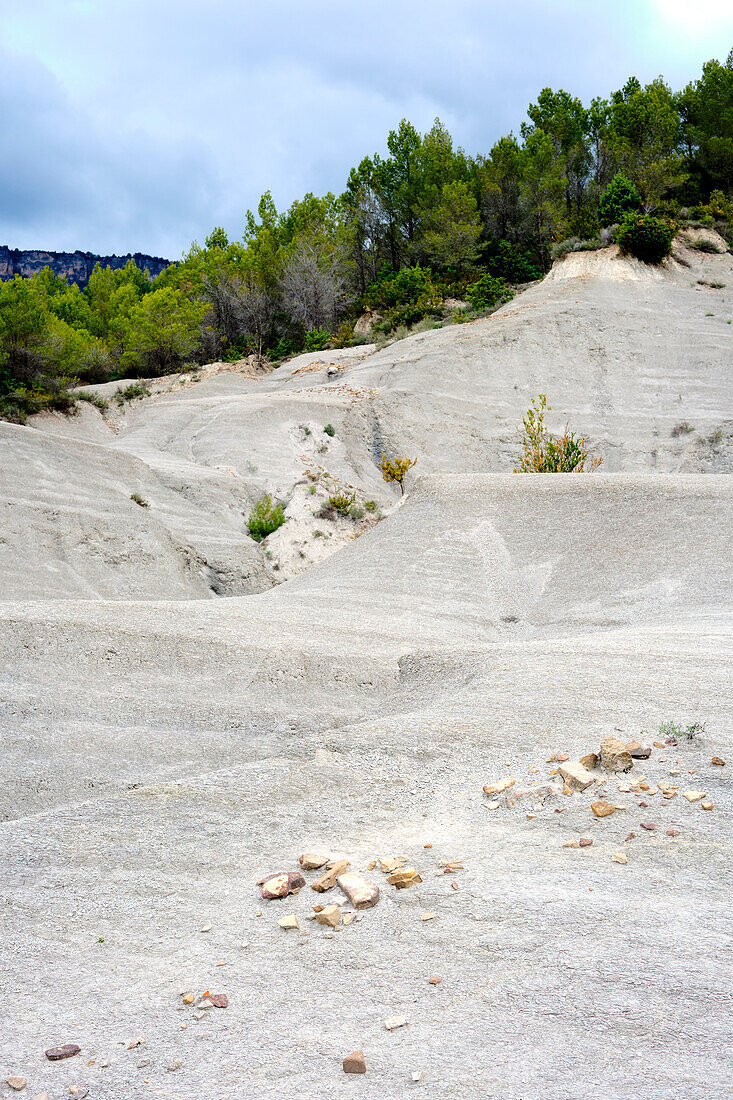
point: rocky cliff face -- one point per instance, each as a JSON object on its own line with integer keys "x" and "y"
{"x": 75, "y": 266}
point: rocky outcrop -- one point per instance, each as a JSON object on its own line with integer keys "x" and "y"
{"x": 76, "y": 267}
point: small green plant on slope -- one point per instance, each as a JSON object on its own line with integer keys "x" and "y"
{"x": 265, "y": 518}
{"x": 671, "y": 731}
{"x": 544, "y": 453}
{"x": 100, "y": 403}
{"x": 488, "y": 292}
{"x": 342, "y": 502}
{"x": 395, "y": 470}
{"x": 131, "y": 392}
{"x": 329, "y": 430}
{"x": 139, "y": 500}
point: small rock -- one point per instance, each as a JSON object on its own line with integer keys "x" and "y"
{"x": 327, "y": 881}
{"x": 42, "y": 1096}
{"x": 68, "y": 1050}
{"x": 576, "y": 775}
{"x": 348, "y": 919}
{"x": 16, "y": 1082}
{"x": 497, "y": 788}
{"x": 643, "y": 805}
{"x": 434, "y": 979}
{"x": 562, "y": 757}
{"x": 619, "y": 857}
{"x": 206, "y": 928}
{"x": 630, "y": 837}
{"x": 570, "y": 844}
{"x": 659, "y": 744}
{"x": 406, "y": 876}
{"x": 428, "y": 916}
{"x": 354, "y": 1062}
{"x": 393, "y": 1022}
{"x": 174, "y": 1064}
{"x": 585, "y": 841}
{"x": 649, "y": 826}
{"x": 204, "y": 1003}
{"x": 707, "y": 805}
{"x": 291, "y": 921}
{"x": 719, "y": 761}
{"x": 614, "y": 755}
{"x": 602, "y": 808}
{"x": 417, "y": 1075}
{"x": 79, "y": 1091}
{"x": 673, "y": 832}
{"x": 188, "y": 998}
{"x": 589, "y": 761}
{"x": 330, "y": 915}
{"x": 637, "y": 751}
{"x": 312, "y": 861}
{"x": 361, "y": 893}
{"x": 219, "y": 1000}
{"x": 282, "y": 884}
{"x": 143, "y": 1063}
{"x": 693, "y": 796}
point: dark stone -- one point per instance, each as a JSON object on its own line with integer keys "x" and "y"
{"x": 648, "y": 826}
{"x": 54, "y": 1054}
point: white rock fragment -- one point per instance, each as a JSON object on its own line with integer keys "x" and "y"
{"x": 393, "y": 1022}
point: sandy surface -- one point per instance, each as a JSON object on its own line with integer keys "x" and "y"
{"x": 176, "y": 722}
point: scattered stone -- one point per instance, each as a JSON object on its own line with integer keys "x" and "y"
{"x": 619, "y": 857}
{"x": 497, "y": 788}
{"x": 585, "y": 841}
{"x": 135, "y": 1043}
{"x": 559, "y": 810}
{"x": 291, "y": 921}
{"x": 354, "y": 1062}
{"x": 16, "y": 1082}
{"x": 642, "y": 805}
{"x": 204, "y": 1003}
{"x": 371, "y": 864}
{"x": 327, "y": 881}
{"x": 614, "y": 755}
{"x": 282, "y": 884}
{"x": 42, "y": 1096}
{"x": 707, "y": 805}
{"x": 693, "y": 796}
{"x": 570, "y": 844}
{"x": 143, "y": 1063}
{"x": 649, "y": 826}
{"x": 427, "y": 845}
{"x": 311, "y": 861}
{"x": 330, "y": 915}
{"x": 719, "y": 761}
{"x": 188, "y": 998}
{"x": 393, "y": 1022}
{"x": 174, "y": 1064}
{"x": 602, "y": 808}
{"x": 417, "y": 1075}
{"x": 68, "y": 1050}
{"x": 361, "y": 893}
{"x": 629, "y": 837}
{"x": 589, "y": 761}
{"x": 562, "y": 757}
{"x": 428, "y": 916}
{"x": 79, "y": 1091}
{"x": 218, "y": 1000}
{"x": 637, "y": 751}
{"x": 673, "y": 832}
{"x": 434, "y": 979}
{"x": 567, "y": 789}
{"x": 391, "y": 864}
{"x": 576, "y": 775}
{"x": 349, "y": 918}
{"x": 206, "y": 928}
{"x": 406, "y": 876}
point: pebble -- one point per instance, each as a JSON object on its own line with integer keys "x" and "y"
{"x": 434, "y": 979}
{"x": 406, "y": 876}
{"x": 499, "y": 787}
{"x": 354, "y": 1062}
{"x": 174, "y": 1064}
{"x": 570, "y": 844}
{"x": 80, "y": 1091}
{"x": 637, "y": 751}
{"x": 42, "y": 1096}
{"x": 361, "y": 893}
{"x": 559, "y": 809}
{"x": 673, "y": 832}
{"x": 312, "y": 861}
{"x": 602, "y": 808}
{"x": 68, "y": 1050}
{"x": 576, "y": 776}
{"x": 719, "y": 761}
{"x": 648, "y": 825}
{"x": 282, "y": 884}
{"x": 206, "y": 928}
{"x": 428, "y": 916}
{"x": 707, "y": 805}
{"x": 630, "y": 837}
{"x": 328, "y": 881}
{"x": 188, "y": 998}
{"x": 393, "y": 1022}
{"x": 291, "y": 921}
{"x": 619, "y": 857}
{"x": 589, "y": 761}
{"x": 16, "y": 1083}
{"x": 427, "y": 845}
{"x": 585, "y": 841}
{"x": 417, "y": 1075}
{"x": 349, "y": 918}
{"x": 218, "y": 1000}
{"x": 330, "y": 915}
{"x": 142, "y": 1064}
{"x": 693, "y": 796}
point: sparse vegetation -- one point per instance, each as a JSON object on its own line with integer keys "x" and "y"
{"x": 265, "y": 518}
{"x": 95, "y": 399}
{"x": 357, "y": 511}
{"x": 139, "y": 500}
{"x": 544, "y": 453}
{"x": 329, "y": 429}
{"x": 683, "y": 428}
{"x": 670, "y": 731}
{"x": 132, "y": 392}
{"x": 370, "y": 505}
{"x": 342, "y": 502}
{"x": 396, "y": 469}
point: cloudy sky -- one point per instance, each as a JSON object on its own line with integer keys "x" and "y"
{"x": 140, "y": 124}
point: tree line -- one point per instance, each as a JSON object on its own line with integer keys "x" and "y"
{"x": 418, "y": 224}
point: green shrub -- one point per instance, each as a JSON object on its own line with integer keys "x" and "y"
{"x": 356, "y": 511}
{"x": 647, "y": 238}
{"x": 342, "y": 502}
{"x": 370, "y": 505}
{"x": 672, "y": 732}
{"x": 265, "y": 518}
{"x": 544, "y": 453}
{"x": 139, "y": 500}
{"x": 329, "y": 429}
{"x": 619, "y": 199}
{"x": 504, "y": 260}
{"x": 488, "y": 291}
{"x": 317, "y": 339}
{"x": 131, "y": 392}
{"x": 396, "y": 469}
{"x": 403, "y": 298}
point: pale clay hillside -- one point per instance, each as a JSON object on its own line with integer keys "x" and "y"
{"x": 190, "y": 710}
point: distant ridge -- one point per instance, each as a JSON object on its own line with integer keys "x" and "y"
{"x": 76, "y": 266}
